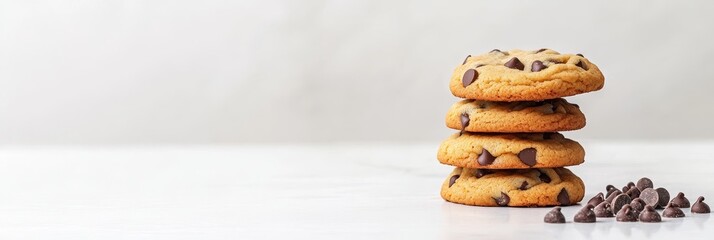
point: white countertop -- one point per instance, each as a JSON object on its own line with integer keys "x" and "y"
{"x": 346, "y": 191}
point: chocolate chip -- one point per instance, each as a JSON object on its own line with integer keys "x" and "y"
{"x": 650, "y": 215}
{"x": 597, "y": 199}
{"x": 700, "y": 206}
{"x": 528, "y": 156}
{"x": 644, "y": 183}
{"x": 464, "y": 121}
{"x": 663, "y": 197}
{"x": 469, "y": 77}
{"x": 650, "y": 196}
{"x": 630, "y": 185}
{"x": 503, "y": 200}
{"x": 585, "y": 215}
{"x": 523, "y": 186}
{"x": 633, "y": 192}
{"x": 452, "y": 180}
{"x": 604, "y": 210}
{"x": 625, "y": 188}
{"x": 466, "y": 59}
{"x": 637, "y": 205}
{"x": 580, "y": 55}
{"x": 626, "y": 215}
{"x": 486, "y": 158}
{"x": 537, "y": 66}
{"x": 680, "y": 200}
{"x": 582, "y": 65}
{"x": 563, "y": 197}
{"x": 544, "y": 177}
{"x": 620, "y": 201}
{"x": 672, "y": 211}
{"x": 482, "y": 172}
{"x": 541, "y": 50}
{"x": 612, "y": 194}
{"x": 515, "y": 64}
{"x": 554, "y": 216}
{"x": 609, "y": 188}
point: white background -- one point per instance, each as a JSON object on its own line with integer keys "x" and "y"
{"x": 125, "y": 72}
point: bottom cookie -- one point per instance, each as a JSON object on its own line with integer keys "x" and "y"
{"x": 513, "y": 187}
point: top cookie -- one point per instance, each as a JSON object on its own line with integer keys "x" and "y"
{"x": 518, "y": 75}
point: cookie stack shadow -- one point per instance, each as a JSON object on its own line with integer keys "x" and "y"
{"x": 508, "y": 151}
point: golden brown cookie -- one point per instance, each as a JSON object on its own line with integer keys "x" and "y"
{"x": 514, "y": 188}
{"x": 518, "y": 75}
{"x": 508, "y": 117}
{"x": 504, "y": 151}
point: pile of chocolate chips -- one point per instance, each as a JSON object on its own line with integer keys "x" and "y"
{"x": 635, "y": 202}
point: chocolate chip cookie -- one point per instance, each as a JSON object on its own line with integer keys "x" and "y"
{"x": 518, "y": 75}
{"x": 515, "y": 188}
{"x": 486, "y": 116}
{"x": 510, "y": 151}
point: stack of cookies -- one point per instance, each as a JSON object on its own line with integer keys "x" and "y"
{"x": 508, "y": 151}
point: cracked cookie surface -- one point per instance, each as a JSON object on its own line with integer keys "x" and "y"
{"x": 514, "y": 188}
{"x": 519, "y": 75}
{"x": 508, "y": 117}
{"x": 510, "y": 151}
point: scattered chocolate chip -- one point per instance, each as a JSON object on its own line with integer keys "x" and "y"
{"x": 452, "y": 180}
{"x": 544, "y": 177}
{"x": 672, "y": 211}
{"x": 626, "y": 215}
{"x": 554, "y": 216}
{"x": 515, "y": 64}
{"x": 585, "y": 215}
{"x": 650, "y": 215}
{"x": 582, "y": 65}
{"x": 604, "y": 210}
{"x": 528, "y": 156}
{"x": 609, "y": 188}
{"x": 524, "y": 185}
{"x": 612, "y": 194}
{"x": 625, "y": 188}
{"x": 482, "y": 172}
{"x": 637, "y": 205}
{"x": 700, "y": 206}
{"x": 650, "y": 196}
{"x": 620, "y": 201}
{"x": 469, "y": 77}
{"x": 541, "y": 50}
{"x": 486, "y": 158}
{"x": 580, "y": 55}
{"x": 537, "y": 66}
{"x": 466, "y": 59}
{"x": 503, "y": 200}
{"x": 680, "y": 200}
{"x": 563, "y": 197}
{"x": 633, "y": 192}
{"x": 644, "y": 183}
{"x": 596, "y": 200}
{"x": 663, "y": 197}
{"x": 464, "y": 121}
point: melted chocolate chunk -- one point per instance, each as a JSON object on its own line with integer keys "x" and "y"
{"x": 469, "y": 77}
{"x": 503, "y": 200}
{"x": 486, "y": 158}
{"x": 452, "y": 180}
{"x": 563, "y": 197}
{"x": 515, "y": 64}
{"x": 528, "y": 156}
